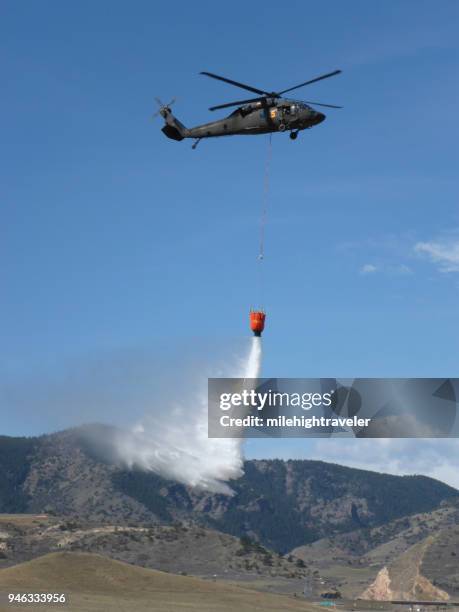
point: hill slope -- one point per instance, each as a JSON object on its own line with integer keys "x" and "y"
{"x": 174, "y": 548}
{"x": 95, "y": 583}
{"x": 379, "y": 545}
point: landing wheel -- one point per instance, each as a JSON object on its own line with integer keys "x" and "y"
{"x": 293, "y": 135}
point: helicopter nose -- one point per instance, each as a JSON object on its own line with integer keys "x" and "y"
{"x": 319, "y": 118}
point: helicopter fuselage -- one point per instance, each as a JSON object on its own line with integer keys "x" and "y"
{"x": 257, "y": 118}
{"x": 261, "y": 119}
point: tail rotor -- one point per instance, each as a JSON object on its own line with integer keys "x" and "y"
{"x": 163, "y": 108}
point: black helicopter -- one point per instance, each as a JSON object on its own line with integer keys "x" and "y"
{"x": 269, "y": 112}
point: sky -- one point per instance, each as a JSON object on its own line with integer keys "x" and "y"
{"x": 122, "y": 250}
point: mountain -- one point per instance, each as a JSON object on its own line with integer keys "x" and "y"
{"x": 15, "y": 461}
{"x": 282, "y": 504}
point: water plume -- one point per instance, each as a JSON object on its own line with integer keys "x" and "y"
{"x": 174, "y": 444}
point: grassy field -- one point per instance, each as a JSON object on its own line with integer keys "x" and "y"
{"x": 94, "y": 583}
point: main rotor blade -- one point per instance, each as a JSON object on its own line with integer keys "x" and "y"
{"x": 228, "y": 104}
{"x": 324, "y": 76}
{"x": 322, "y": 104}
{"x": 231, "y": 82}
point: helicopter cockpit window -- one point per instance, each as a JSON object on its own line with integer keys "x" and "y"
{"x": 246, "y": 110}
{"x": 287, "y": 110}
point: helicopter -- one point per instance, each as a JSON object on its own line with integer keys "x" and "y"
{"x": 268, "y": 112}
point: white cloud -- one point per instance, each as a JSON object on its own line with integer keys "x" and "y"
{"x": 400, "y": 269}
{"x": 389, "y": 270}
{"x": 445, "y": 253}
{"x": 437, "y": 458}
{"x": 368, "y": 269}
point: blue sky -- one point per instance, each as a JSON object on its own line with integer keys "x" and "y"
{"x": 117, "y": 239}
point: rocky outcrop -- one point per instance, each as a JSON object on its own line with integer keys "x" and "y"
{"x": 403, "y": 579}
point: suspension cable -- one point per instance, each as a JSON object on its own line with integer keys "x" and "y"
{"x": 265, "y": 201}
{"x": 263, "y": 218}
